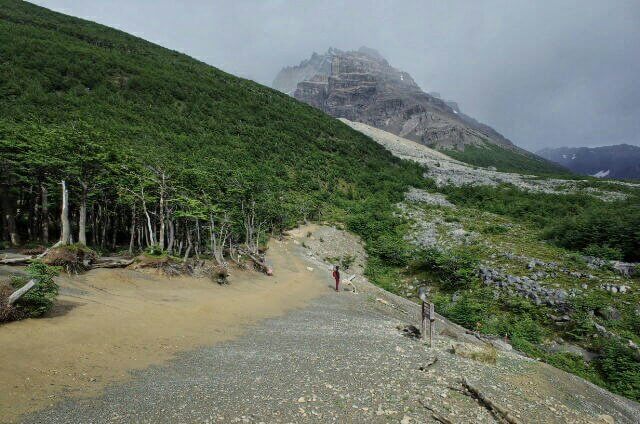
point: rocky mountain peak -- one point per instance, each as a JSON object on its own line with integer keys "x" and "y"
{"x": 360, "y": 85}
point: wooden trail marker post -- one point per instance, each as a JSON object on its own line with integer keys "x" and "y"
{"x": 428, "y": 315}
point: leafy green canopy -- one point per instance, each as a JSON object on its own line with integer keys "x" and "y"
{"x": 83, "y": 101}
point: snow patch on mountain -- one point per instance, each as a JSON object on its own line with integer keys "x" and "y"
{"x": 602, "y": 174}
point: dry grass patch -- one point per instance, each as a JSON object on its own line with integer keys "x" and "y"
{"x": 484, "y": 353}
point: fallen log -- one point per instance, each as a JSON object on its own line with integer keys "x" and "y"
{"x": 113, "y": 263}
{"x": 20, "y": 292}
{"x": 16, "y": 261}
{"x": 500, "y": 411}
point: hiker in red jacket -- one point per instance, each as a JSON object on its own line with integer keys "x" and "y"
{"x": 336, "y": 275}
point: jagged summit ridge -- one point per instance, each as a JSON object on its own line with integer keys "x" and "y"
{"x": 362, "y": 86}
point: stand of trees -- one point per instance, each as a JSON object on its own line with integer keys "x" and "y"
{"x": 74, "y": 186}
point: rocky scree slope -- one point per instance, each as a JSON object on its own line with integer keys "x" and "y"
{"x": 362, "y": 86}
{"x": 446, "y": 171}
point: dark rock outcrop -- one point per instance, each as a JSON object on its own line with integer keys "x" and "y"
{"x": 362, "y": 86}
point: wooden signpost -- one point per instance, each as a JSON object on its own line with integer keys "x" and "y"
{"x": 428, "y": 315}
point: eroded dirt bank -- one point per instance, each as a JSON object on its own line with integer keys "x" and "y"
{"x": 109, "y": 322}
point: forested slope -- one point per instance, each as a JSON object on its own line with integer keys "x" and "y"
{"x": 158, "y": 148}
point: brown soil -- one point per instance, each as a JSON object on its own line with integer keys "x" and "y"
{"x": 109, "y": 322}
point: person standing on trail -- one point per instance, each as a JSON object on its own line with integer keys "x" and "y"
{"x": 336, "y": 276}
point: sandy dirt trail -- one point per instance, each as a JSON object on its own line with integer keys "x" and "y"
{"x": 110, "y": 322}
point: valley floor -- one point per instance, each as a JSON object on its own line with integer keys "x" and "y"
{"x": 338, "y": 358}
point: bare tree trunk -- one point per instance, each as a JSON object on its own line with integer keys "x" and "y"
{"x": 65, "y": 237}
{"x": 82, "y": 219}
{"x": 171, "y": 238}
{"x": 177, "y": 231}
{"x": 45, "y": 215}
{"x": 9, "y": 215}
{"x": 132, "y": 231}
{"x": 152, "y": 240}
{"x": 145, "y": 231}
{"x": 105, "y": 225}
{"x": 13, "y": 229}
{"x": 114, "y": 231}
{"x": 219, "y": 239}
{"x": 252, "y": 233}
{"x": 33, "y": 207}
{"x": 198, "y": 241}
{"x": 189, "y": 245}
{"x": 161, "y": 213}
{"x": 20, "y": 292}
{"x": 95, "y": 217}
{"x": 212, "y": 235}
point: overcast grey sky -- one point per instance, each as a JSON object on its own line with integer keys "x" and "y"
{"x": 545, "y": 73}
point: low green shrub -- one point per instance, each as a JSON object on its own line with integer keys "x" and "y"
{"x": 383, "y": 275}
{"x": 519, "y": 327}
{"x": 494, "y": 229}
{"x": 619, "y": 366}
{"x": 604, "y": 252}
{"x": 40, "y": 298}
{"x": 347, "y": 261}
{"x": 391, "y": 248}
{"x": 154, "y": 250}
{"x": 454, "y": 269}
{"x": 467, "y": 312}
{"x": 575, "y": 364}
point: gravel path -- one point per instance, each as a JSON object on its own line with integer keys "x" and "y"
{"x": 342, "y": 359}
{"x": 317, "y": 364}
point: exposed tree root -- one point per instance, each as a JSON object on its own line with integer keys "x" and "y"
{"x": 258, "y": 261}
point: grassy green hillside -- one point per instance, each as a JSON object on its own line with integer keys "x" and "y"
{"x": 507, "y": 160}
{"x": 103, "y": 109}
